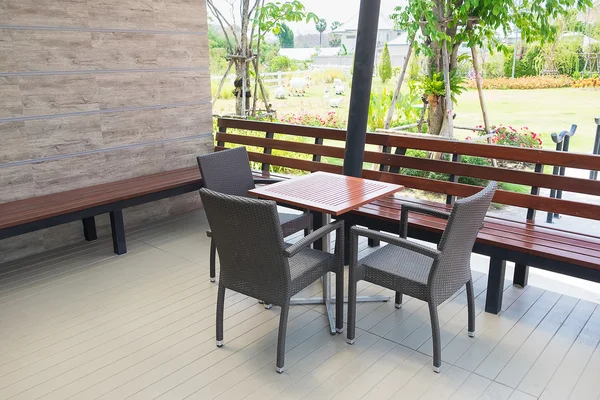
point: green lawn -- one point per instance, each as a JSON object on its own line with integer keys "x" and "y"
{"x": 542, "y": 110}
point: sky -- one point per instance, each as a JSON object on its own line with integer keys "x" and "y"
{"x": 331, "y": 10}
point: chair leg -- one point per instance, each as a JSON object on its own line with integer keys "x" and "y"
{"x": 220, "y": 309}
{"x": 213, "y": 261}
{"x": 351, "y": 335}
{"x": 283, "y": 318}
{"x": 495, "y": 286}
{"x": 398, "y": 301}
{"x": 471, "y": 308}
{"x": 339, "y": 301}
{"x": 435, "y": 336}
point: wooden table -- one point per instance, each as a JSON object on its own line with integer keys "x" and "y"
{"x": 326, "y": 195}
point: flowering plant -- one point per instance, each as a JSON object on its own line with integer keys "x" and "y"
{"x": 509, "y": 136}
{"x": 330, "y": 120}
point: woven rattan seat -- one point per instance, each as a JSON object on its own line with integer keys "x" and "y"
{"x": 431, "y": 275}
{"x": 229, "y": 172}
{"x": 256, "y": 262}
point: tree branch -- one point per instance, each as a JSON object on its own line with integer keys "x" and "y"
{"x": 221, "y": 18}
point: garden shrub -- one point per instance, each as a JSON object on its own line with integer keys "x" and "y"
{"x": 509, "y": 136}
{"x": 281, "y": 63}
{"x": 528, "y": 65}
{"x": 226, "y": 92}
{"x": 529, "y": 82}
{"x": 587, "y": 83}
{"x": 494, "y": 66}
{"x": 385, "y": 65}
{"x": 327, "y": 76}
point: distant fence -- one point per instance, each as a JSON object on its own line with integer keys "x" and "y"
{"x": 276, "y": 79}
{"x": 272, "y": 79}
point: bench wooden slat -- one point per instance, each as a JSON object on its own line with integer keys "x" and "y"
{"x": 428, "y": 143}
{"x": 293, "y": 163}
{"x": 528, "y": 232}
{"x": 495, "y": 237}
{"x": 583, "y": 210}
{"x": 549, "y": 233}
{"x": 298, "y": 147}
{"x": 42, "y": 207}
{"x": 490, "y": 173}
{"x": 287, "y": 129}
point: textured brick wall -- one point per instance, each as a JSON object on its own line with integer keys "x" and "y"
{"x": 97, "y": 91}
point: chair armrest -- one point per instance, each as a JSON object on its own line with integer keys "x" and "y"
{"x": 266, "y": 181}
{"x": 406, "y": 208}
{"x": 313, "y": 237}
{"x": 355, "y": 232}
{"x": 426, "y": 210}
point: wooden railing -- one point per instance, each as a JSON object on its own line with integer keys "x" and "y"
{"x": 329, "y": 143}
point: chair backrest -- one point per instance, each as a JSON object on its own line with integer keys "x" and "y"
{"x": 249, "y": 240}
{"x": 454, "y": 265}
{"x": 227, "y": 171}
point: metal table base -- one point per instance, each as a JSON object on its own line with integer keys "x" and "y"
{"x": 326, "y": 281}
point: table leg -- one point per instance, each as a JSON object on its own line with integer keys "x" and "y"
{"x": 318, "y": 222}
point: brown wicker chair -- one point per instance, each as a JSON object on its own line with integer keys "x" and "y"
{"x": 431, "y": 275}
{"x": 229, "y": 172}
{"x": 256, "y": 262}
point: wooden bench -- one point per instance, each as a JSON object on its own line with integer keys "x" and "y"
{"x": 28, "y": 215}
{"x": 522, "y": 241}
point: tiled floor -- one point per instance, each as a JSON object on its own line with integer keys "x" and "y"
{"x": 82, "y": 323}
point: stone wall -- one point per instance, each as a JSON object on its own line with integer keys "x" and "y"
{"x": 98, "y": 91}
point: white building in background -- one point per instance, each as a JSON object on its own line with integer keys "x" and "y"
{"x": 349, "y": 30}
{"x": 398, "y": 49}
{"x": 309, "y": 53}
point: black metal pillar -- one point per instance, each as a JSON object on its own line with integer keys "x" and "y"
{"x": 364, "y": 60}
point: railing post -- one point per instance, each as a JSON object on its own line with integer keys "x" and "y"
{"x": 521, "y": 275}
{"x": 265, "y": 166}
{"x": 383, "y": 168}
{"x": 596, "y": 150}
{"x": 562, "y": 141}
{"x": 400, "y": 151}
{"x": 222, "y": 129}
{"x": 450, "y": 199}
{"x": 317, "y": 157}
{"x": 385, "y": 150}
{"x": 279, "y": 78}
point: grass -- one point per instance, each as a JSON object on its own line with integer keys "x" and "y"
{"x": 543, "y": 110}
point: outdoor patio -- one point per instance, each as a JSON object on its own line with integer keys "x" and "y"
{"x": 86, "y": 324}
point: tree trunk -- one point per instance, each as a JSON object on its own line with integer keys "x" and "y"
{"x": 239, "y": 73}
{"x": 241, "y": 66}
{"x": 390, "y": 114}
{"x": 478, "y": 78}
{"x": 436, "y": 114}
{"x": 221, "y": 83}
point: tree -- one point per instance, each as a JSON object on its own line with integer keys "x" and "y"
{"x": 444, "y": 25}
{"x": 385, "y": 65}
{"x": 321, "y": 25}
{"x": 335, "y": 39}
{"x": 286, "y": 37}
{"x": 245, "y": 34}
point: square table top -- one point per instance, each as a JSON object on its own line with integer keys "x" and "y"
{"x": 325, "y": 192}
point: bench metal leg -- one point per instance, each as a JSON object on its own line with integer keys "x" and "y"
{"x": 118, "y": 232}
{"x": 521, "y": 276}
{"x": 373, "y": 243}
{"x": 493, "y": 301}
{"x": 89, "y": 229}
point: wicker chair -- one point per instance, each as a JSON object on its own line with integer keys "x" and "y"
{"x": 229, "y": 172}
{"x": 431, "y": 275}
{"x": 256, "y": 262}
